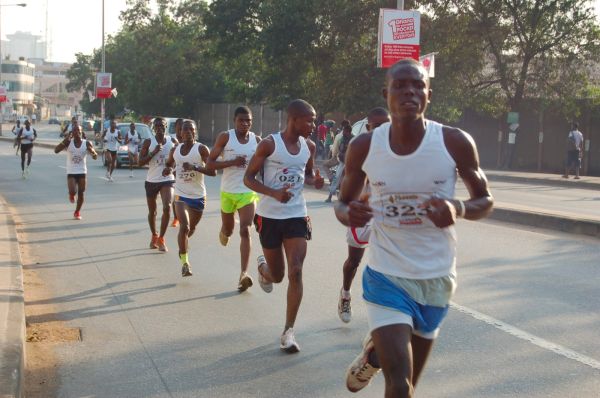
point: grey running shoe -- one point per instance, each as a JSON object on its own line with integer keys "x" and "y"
{"x": 288, "y": 342}
{"x": 224, "y": 239}
{"x": 344, "y": 309}
{"x": 264, "y": 284}
{"x": 245, "y": 282}
{"x": 186, "y": 270}
{"x": 361, "y": 372}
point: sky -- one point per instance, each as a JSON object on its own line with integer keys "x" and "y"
{"x": 73, "y": 25}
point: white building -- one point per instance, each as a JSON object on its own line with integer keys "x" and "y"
{"x": 18, "y": 77}
{"x": 25, "y": 45}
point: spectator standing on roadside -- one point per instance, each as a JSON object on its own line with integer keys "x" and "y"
{"x": 574, "y": 151}
{"x": 340, "y": 144}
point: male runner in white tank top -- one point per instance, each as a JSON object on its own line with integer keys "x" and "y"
{"x": 112, "y": 137}
{"x": 77, "y": 150}
{"x": 357, "y": 237}
{"x": 155, "y": 152}
{"x": 188, "y": 159}
{"x": 411, "y": 165}
{"x": 132, "y": 140}
{"x": 235, "y": 148}
{"x": 286, "y": 160}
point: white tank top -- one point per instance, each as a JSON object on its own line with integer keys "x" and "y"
{"x": 232, "y": 180}
{"x": 27, "y": 136}
{"x": 134, "y": 140}
{"x": 157, "y": 163}
{"x": 283, "y": 168}
{"x": 189, "y": 184}
{"x": 404, "y": 242}
{"x": 76, "y": 158}
{"x": 111, "y": 140}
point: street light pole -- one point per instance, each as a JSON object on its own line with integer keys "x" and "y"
{"x": 1, "y": 59}
{"x": 102, "y": 103}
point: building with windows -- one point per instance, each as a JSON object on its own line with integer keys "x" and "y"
{"x": 18, "y": 77}
{"x": 51, "y": 96}
{"x": 23, "y": 45}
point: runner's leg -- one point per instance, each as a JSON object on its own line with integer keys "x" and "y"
{"x": 275, "y": 269}
{"x": 81, "y": 185}
{"x": 151, "y": 201}
{"x": 166, "y": 196}
{"x": 351, "y": 264}
{"x": 295, "y": 251}
{"x": 246, "y": 215}
{"x": 72, "y": 186}
{"x": 227, "y": 223}
{"x": 400, "y": 361}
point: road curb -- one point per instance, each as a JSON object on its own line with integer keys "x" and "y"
{"x": 548, "y": 221}
{"x": 12, "y": 309}
{"x": 559, "y": 182}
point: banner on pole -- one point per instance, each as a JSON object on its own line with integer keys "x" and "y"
{"x": 3, "y": 97}
{"x": 398, "y": 36}
{"x": 103, "y": 85}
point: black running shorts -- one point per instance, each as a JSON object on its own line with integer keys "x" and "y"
{"x": 272, "y": 232}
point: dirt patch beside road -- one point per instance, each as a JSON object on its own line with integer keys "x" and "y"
{"x": 41, "y": 377}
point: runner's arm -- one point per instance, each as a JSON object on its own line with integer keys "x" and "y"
{"x": 264, "y": 149}
{"x": 217, "y": 150}
{"x": 170, "y": 163}
{"x": 63, "y": 144}
{"x": 352, "y": 210}
{"x": 145, "y": 155}
{"x": 444, "y": 211}
{"x": 309, "y": 178}
{"x": 204, "y": 153}
{"x": 91, "y": 150}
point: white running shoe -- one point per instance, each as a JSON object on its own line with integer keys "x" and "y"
{"x": 264, "y": 284}
{"x": 344, "y": 308}
{"x": 288, "y": 342}
{"x": 107, "y": 175}
{"x": 361, "y": 372}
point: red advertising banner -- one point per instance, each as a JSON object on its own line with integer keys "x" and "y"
{"x": 103, "y": 85}
{"x": 399, "y": 35}
{"x": 3, "y": 97}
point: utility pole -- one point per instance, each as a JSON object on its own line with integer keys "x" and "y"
{"x": 400, "y": 4}
{"x": 102, "y": 101}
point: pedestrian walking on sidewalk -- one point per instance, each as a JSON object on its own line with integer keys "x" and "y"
{"x": 285, "y": 160}
{"x": 188, "y": 159}
{"x": 358, "y": 237}
{"x": 231, "y": 153}
{"x": 411, "y": 165}
{"x": 574, "y": 151}
{"x": 155, "y": 152}
{"x": 77, "y": 150}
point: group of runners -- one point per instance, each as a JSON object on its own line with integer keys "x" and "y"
{"x": 397, "y": 197}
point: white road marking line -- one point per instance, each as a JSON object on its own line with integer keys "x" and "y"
{"x": 523, "y": 335}
{"x": 63, "y": 167}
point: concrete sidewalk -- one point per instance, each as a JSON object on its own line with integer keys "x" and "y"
{"x": 12, "y": 308}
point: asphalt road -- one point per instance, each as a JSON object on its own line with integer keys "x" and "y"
{"x": 524, "y": 322}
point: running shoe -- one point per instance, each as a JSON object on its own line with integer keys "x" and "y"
{"x": 361, "y": 372}
{"x": 175, "y": 223}
{"x": 71, "y": 198}
{"x": 154, "y": 242}
{"x": 23, "y": 175}
{"x": 288, "y": 342}
{"x": 344, "y": 308}
{"x": 224, "y": 239}
{"x": 131, "y": 174}
{"x": 110, "y": 178}
{"x": 27, "y": 172}
{"x": 245, "y": 282}
{"x": 264, "y": 284}
{"x": 186, "y": 270}
{"x": 77, "y": 215}
{"x": 161, "y": 244}
{"x": 107, "y": 175}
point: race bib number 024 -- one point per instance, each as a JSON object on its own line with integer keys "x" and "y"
{"x": 402, "y": 210}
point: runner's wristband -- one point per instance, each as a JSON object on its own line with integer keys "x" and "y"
{"x": 461, "y": 210}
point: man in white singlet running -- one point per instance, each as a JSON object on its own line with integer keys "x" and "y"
{"x": 357, "y": 237}
{"x": 112, "y": 137}
{"x": 411, "y": 165}
{"x": 189, "y": 159}
{"x": 155, "y": 152}
{"x": 25, "y": 138}
{"x": 132, "y": 140}
{"x": 286, "y": 161}
{"x": 77, "y": 150}
{"x": 231, "y": 153}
